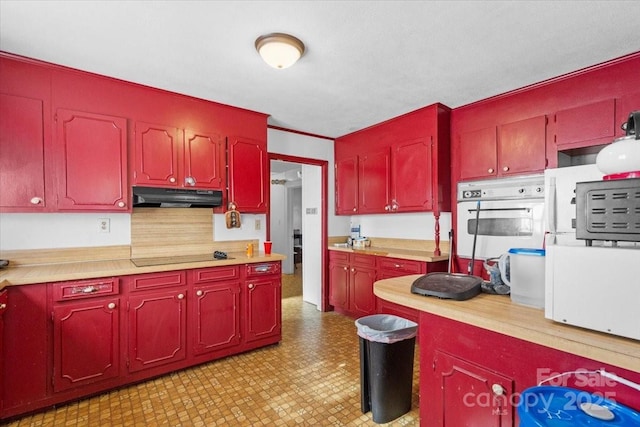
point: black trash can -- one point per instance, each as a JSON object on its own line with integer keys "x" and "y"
{"x": 387, "y": 345}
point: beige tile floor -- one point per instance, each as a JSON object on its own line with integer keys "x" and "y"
{"x": 311, "y": 378}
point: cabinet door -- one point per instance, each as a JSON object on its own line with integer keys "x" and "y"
{"x": 478, "y": 154}
{"x": 470, "y": 395}
{"x": 3, "y": 307}
{"x": 157, "y": 328}
{"x": 22, "y": 148}
{"x": 248, "y": 174}
{"x": 91, "y": 151}
{"x": 373, "y": 182}
{"x": 522, "y": 146}
{"x": 156, "y": 149}
{"x": 203, "y": 160}
{"x": 624, "y": 106}
{"x": 346, "y": 172}
{"x": 586, "y": 125}
{"x": 215, "y": 317}
{"x": 263, "y": 317}
{"x": 412, "y": 175}
{"x": 362, "y": 299}
{"x": 85, "y": 342}
{"x": 339, "y": 285}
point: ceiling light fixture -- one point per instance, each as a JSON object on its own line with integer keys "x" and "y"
{"x": 279, "y": 50}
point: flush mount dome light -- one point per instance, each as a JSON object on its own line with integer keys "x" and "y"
{"x": 279, "y": 50}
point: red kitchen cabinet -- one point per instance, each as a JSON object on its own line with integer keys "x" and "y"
{"x": 26, "y": 373}
{"x": 157, "y": 320}
{"x": 412, "y": 176}
{"x": 86, "y": 332}
{"x": 85, "y": 342}
{"x": 248, "y": 174}
{"x": 510, "y": 149}
{"x": 351, "y": 278}
{"x": 215, "y": 309}
{"x": 469, "y": 395}
{"x": 91, "y": 166}
{"x": 522, "y": 146}
{"x": 625, "y": 105}
{"x": 22, "y": 171}
{"x": 25, "y": 137}
{"x": 585, "y": 125}
{"x": 339, "y": 280}
{"x": 3, "y": 307}
{"x": 170, "y": 157}
{"x": 346, "y": 177}
{"x": 402, "y": 164}
{"x": 478, "y": 155}
{"x": 263, "y": 303}
{"x": 374, "y": 177}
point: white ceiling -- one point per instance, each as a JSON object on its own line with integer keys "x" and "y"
{"x": 366, "y": 61}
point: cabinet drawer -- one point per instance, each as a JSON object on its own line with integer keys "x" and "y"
{"x": 205, "y": 275}
{"x": 363, "y": 260}
{"x": 157, "y": 280}
{"x": 398, "y": 265}
{"x": 262, "y": 269}
{"x": 339, "y": 256}
{"x": 85, "y": 288}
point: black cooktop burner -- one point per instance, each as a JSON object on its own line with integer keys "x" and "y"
{"x": 147, "y": 262}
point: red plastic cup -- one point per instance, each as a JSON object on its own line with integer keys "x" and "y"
{"x": 267, "y": 248}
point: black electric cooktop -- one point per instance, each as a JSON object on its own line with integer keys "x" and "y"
{"x": 147, "y": 262}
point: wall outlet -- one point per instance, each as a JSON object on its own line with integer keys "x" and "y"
{"x": 258, "y": 225}
{"x": 104, "y": 225}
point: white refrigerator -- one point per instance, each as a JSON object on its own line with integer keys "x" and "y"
{"x": 595, "y": 287}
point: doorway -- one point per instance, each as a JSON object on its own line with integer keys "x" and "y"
{"x": 298, "y": 221}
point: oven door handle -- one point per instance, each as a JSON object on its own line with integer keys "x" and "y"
{"x": 500, "y": 209}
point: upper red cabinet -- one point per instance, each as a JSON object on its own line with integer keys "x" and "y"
{"x": 170, "y": 157}
{"x": 508, "y": 149}
{"x": 522, "y": 146}
{"x": 412, "y": 175}
{"x": 346, "y": 177}
{"x": 22, "y": 171}
{"x": 25, "y": 137}
{"x": 91, "y": 161}
{"x": 585, "y": 125}
{"x": 248, "y": 174}
{"x": 402, "y": 165}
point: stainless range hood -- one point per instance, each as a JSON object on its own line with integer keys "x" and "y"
{"x": 151, "y": 197}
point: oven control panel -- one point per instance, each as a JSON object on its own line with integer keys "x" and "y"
{"x": 531, "y": 187}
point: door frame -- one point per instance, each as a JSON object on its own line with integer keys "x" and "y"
{"x": 324, "y": 167}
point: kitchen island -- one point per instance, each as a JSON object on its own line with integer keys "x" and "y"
{"x": 478, "y": 355}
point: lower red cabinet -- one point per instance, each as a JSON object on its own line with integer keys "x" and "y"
{"x": 214, "y": 321}
{"x": 85, "y": 342}
{"x": 157, "y": 328}
{"x": 469, "y": 392}
{"x": 263, "y": 303}
{"x": 351, "y": 278}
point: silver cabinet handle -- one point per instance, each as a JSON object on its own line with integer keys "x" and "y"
{"x": 189, "y": 180}
{"x": 36, "y": 200}
{"x": 180, "y": 296}
{"x": 199, "y": 293}
{"x": 398, "y": 266}
{"x": 90, "y": 289}
{"x": 353, "y": 270}
{"x": 121, "y": 204}
{"x": 490, "y": 170}
{"x": 172, "y": 179}
{"x": 3, "y": 306}
{"x": 387, "y": 207}
{"x": 345, "y": 268}
{"x": 354, "y": 209}
{"x": 251, "y": 285}
{"x": 111, "y": 305}
{"x": 506, "y": 168}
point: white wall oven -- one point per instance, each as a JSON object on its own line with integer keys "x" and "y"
{"x": 509, "y": 213}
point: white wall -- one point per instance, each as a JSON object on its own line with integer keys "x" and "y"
{"x": 420, "y": 226}
{"x": 294, "y": 144}
{"x": 312, "y": 241}
{"x": 19, "y": 231}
